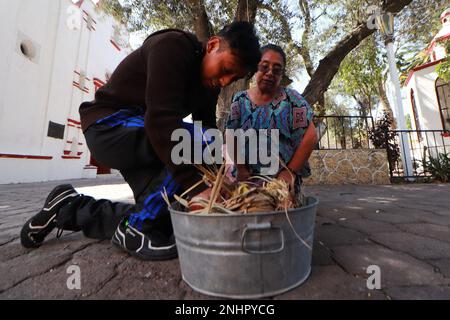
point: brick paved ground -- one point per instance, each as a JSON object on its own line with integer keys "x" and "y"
{"x": 404, "y": 229}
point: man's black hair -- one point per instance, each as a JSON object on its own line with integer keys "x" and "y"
{"x": 275, "y": 48}
{"x": 243, "y": 41}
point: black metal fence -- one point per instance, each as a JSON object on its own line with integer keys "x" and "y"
{"x": 422, "y": 145}
{"x": 416, "y": 146}
{"x": 344, "y": 132}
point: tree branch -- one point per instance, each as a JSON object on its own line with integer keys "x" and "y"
{"x": 202, "y": 25}
{"x": 329, "y": 65}
{"x": 305, "y": 52}
{"x": 246, "y": 10}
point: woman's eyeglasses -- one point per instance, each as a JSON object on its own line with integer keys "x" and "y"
{"x": 276, "y": 71}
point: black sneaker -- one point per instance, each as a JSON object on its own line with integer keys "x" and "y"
{"x": 40, "y": 225}
{"x": 153, "y": 245}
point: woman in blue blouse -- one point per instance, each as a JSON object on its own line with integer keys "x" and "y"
{"x": 271, "y": 106}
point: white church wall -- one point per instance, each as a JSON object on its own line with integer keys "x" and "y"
{"x": 26, "y": 80}
{"x": 423, "y": 83}
{"x": 426, "y": 98}
{"x": 40, "y": 89}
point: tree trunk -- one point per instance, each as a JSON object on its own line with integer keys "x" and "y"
{"x": 329, "y": 66}
{"x": 364, "y": 105}
{"x": 202, "y": 25}
{"x": 225, "y": 98}
{"x": 320, "y": 106}
{"x": 243, "y": 13}
{"x": 246, "y": 10}
{"x": 385, "y": 103}
{"x": 304, "y": 49}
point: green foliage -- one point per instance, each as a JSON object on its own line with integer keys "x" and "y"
{"x": 417, "y": 25}
{"x": 220, "y": 12}
{"x": 365, "y": 68}
{"x": 360, "y": 74}
{"x": 114, "y": 9}
{"x": 439, "y": 167}
{"x": 272, "y": 30}
{"x": 334, "y": 19}
{"x": 279, "y": 21}
{"x": 408, "y": 122}
{"x": 405, "y": 64}
{"x": 443, "y": 69}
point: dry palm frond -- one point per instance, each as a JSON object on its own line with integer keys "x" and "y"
{"x": 191, "y": 188}
{"x": 210, "y": 176}
{"x": 259, "y": 194}
{"x": 165, "y": 197}
{"x": 216, "y": 188}
{"x": 244, "y": 197}
{"x": 295, "y": 232}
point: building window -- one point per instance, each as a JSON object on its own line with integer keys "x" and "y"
{"x": 416, "y": 116}
{"x": 443, "y": 95}
{"x": 55, "y": 130}
{"x": 28, "y": 48}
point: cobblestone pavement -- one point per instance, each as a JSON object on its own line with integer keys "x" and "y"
{"x": 404, "y": 229}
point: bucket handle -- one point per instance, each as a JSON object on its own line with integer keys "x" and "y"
{"x": 260, "y": 227}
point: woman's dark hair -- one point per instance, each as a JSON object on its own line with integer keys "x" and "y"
{"x": 243, "y": 41}
{"x": 275, "y": 48}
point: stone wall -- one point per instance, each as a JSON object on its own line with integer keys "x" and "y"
{"x": 356, "y": 166}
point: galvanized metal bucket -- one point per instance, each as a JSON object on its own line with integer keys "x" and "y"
{"x": 245, "y": 256}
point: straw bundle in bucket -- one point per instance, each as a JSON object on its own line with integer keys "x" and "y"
{"x": 258, "y": 194}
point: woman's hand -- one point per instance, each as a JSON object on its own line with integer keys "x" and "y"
{"x": 288, "y": 177}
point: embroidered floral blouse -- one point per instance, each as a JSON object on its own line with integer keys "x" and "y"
{"x": 288, "y": 112}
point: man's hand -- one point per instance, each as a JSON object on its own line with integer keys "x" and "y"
{"x": 242, "y": 172}
{"x": 206, "y": 195}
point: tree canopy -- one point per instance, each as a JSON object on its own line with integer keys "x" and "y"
{"x": 324, "y": 39}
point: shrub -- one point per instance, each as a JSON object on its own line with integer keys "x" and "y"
{"x": 383, "y": 138}
{"x": 439, "y": 167}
